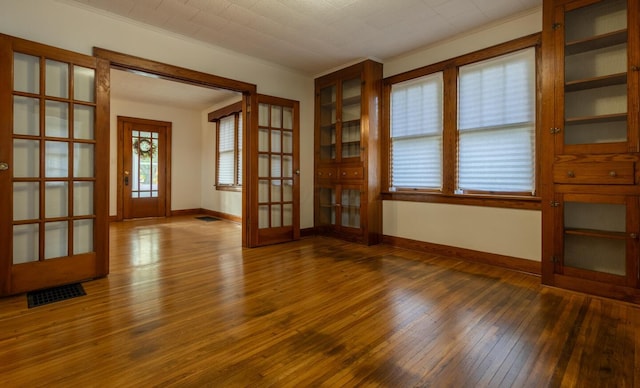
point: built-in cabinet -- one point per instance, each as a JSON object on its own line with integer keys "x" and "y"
{"x": 590, "y": 171}
{"x": 347, "y": 116}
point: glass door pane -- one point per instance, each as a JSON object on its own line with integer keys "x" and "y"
{"x": 328, "y": 123}
{"x": 595, "y": 237}
{"x": 351, "y": 111}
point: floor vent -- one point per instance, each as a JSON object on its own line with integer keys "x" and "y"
{"x": 54, "y": 294}
{"x": 207, "y": 218}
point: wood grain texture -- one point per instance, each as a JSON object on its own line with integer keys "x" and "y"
{"x": 185, "y": 305}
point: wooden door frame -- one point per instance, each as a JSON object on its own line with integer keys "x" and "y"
{"x": 167, "y": 182}
{"x": 139, "y": 65}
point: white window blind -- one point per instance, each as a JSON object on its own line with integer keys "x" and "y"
{"x": 239, "y": 156}
{"x": 496, "y": 124}
{"x": 226, "y": 150}
{"x": 416, "y": 133}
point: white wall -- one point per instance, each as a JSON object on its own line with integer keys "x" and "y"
{"x": 227, "y": 202}
{"x": 509, "y": 232}
{"x": 57, "y": 24}
{"x": 186, "y": 131}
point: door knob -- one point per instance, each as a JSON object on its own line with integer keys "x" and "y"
{"x": 4, "y": 166}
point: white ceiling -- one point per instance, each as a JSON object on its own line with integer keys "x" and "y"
{"x": 135, "y": 87}
{"x": 313, "y": 36}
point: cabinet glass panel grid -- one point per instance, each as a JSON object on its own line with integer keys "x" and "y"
{"x": 595, "y": 74}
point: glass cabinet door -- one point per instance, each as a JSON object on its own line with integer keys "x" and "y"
{"x": 598, "y": 237}
{"x": 595, "y": 91}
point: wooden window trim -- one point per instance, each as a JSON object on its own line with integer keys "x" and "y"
{"x": 450, "y": 133}
{"x": 215, "y": 117}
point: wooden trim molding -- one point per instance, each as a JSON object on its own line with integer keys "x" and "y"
{"x": 513, "y": 263}
{"x": 224, "y": 216}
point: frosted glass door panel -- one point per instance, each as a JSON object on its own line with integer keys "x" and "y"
{"x": 83, "y": 119}
{"x": 263, "y": 216}
{"x": 25, "y": 243}
{"x": 56, "y": 119}
{"x": 55, "y": 239}
{"x": 26, "y": 201}
{"x": 287, "y": 215}
{"x": 83, "y": 160}
{"x": 26, "y": 73}
{"x": 56, "y": 159}
{"x": 26, "y": 158}
{"x": 82, "y": 198}
{"x": 84, "y": 84}
{"x": 263, "y": 191}
{"x": 26, "y": 116}
{"x": 82, "y": 236}
{"x": 57, "y": 79}
{"x": 56, "y": 199}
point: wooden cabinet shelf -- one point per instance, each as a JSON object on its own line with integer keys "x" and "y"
{"x": 596, "y": 42}
{"x": 596, "y": 82}
{"x": 596, "y": 119}
{"x": 597, "y": 233}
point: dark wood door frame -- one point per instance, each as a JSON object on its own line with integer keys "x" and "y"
{"x": 174, "y": 73}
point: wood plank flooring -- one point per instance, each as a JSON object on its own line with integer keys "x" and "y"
{"x": 186, "y": 306}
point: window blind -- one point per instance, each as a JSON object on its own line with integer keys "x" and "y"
{"x": 496, "y": 124}
{"x": 226, "y": 152}
{"x": 416, "y": 133}
{"x": 239, "y": 156}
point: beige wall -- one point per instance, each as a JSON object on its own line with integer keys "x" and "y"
{"x": 510, "y": 232}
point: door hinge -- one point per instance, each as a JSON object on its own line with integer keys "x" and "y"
{"x": 554, "y": 203}
{"x": 554, "y": 131}
{"x": 555, "y": 26}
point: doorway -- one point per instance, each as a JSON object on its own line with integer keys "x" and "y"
{"x": 144, "y": 168}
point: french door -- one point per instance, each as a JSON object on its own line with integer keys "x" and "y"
{"x": 274, "y": 210}
{"x": 54, "y": 138}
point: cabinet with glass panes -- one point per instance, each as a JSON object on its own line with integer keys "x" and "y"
{"x": 346, "y": 153}
{"x": 590, "y": 121}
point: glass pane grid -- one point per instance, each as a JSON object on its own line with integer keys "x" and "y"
{"x": 53, "y": 213}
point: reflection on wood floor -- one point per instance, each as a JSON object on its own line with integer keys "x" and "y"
{"x": 184, "y": 305}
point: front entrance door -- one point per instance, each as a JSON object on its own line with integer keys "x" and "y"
{"x": 144, "y": 150}
{"x": 54, "y": 166}
{"x": 275, "y": 199}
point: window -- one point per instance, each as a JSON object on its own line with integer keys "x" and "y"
{"x": 496, "y": 118}
{"x": 465, "y": 128}
{"x": 229, "y": 147}
{"x": 416, "y": 133}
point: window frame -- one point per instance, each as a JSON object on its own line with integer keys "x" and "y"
{"x": 234, "y": 110}
{"x": 448, "y": 194}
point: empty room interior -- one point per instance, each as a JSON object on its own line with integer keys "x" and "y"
{"x": 288, "y": 193}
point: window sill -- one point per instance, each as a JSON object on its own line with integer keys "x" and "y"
{"x": 506, "y": 201}
{"x": 229, "y": 188}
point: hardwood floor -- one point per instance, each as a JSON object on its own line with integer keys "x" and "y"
{"x": 184, "y": 305}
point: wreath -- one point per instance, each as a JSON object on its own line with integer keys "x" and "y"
{"x": 145, "y": 147}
